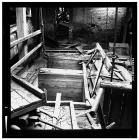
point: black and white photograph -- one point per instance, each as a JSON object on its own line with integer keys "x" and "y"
{"x": 69, "y": 69}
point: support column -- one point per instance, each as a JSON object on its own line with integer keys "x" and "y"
{"x": 21, "y": 30}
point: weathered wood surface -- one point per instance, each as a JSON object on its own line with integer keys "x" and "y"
{"x": 21, "y": 23}
{"x": 120, "y": 48}
{"x": 124, "y": 73}
{"x": 67, "y": 82}
{"x": 25, "y": 58}
{"x": 36, "y": 91}
{"x": 86, "y": 89}
{"x": 61, "y": 71}
{"x": 99, "y": 92}
{"x": 25, "y": 38}
{"x": 107, "y": 60}
{"x": 64, "y": 60}
{"x": 57, "y": 107}
{"x": 91, "y": 57}
{"x": 73, "y": 117}
{"x": 116, "y": 85}
{"x": 22, "y": 100}
{"x": 98, "y": 76}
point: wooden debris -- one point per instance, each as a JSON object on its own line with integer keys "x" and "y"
{"x": 72, "y": 45}
{"x": 97, "y": 77}
{"x": 79, "y": 48}
{"x": 48, "y": 123}
{"x": 116, "y": 85}
{"x": 93, "y": 122}
{"x": 57, "y": 107}
{"x": 124, "y": 72}
{"x": 91, "y": 57}
{"x": 73, "y": 117}
{"x": 96, "y": 103}
{"x": 86, "y": 90}
{"x": 91, "y": 51}
{"x": 103, "y": 54}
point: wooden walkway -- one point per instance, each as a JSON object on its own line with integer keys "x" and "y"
{"x": 22, "y": 100}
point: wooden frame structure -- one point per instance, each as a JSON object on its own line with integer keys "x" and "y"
{"x": 34, "y": 90}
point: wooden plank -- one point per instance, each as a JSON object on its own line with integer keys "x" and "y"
{"x": 36, "y": 91}
{"x": 57, "y": 107}
{"x": 73, "y": 117}
{"x": 107, "y": 60}
{"x": 60, "y": 82}
{"x": 25, "y": 109}
{"x": 79, "y": 48}
{"x": 97, "y": 77}
{"x": 53, "y": 125}
{"x": 19, "y": 103}
{"x": 72, "y": 45}
{"x": 124, "y": 72}
{"x": 98, "y": 98}
{"x": 12, "y": 44}
{"x": 91, "y": 57}
{"x": 61, "y": 71}
{"x": 23, "y": 93}
{"x": 93, "y": 122}
{"x": 26, "y": 57}
{"x": 84, "y": 112}
{"x": 116, "y": 85}
{"x": 86, "y": 89}
{"x": 119, "y": 45}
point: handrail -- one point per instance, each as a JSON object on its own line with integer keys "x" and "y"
{"x": 25, "y": 38}
{"x": 25, "y": 57}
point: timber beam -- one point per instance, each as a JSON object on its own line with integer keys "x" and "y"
{"x": 116, "y": 85}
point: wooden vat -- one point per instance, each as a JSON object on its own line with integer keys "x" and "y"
{"x": 64, "y": 60}
{"x": 66, "y": 81}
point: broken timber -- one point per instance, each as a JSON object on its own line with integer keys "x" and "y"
{"x": 57, "y": 106}
{"x": 103, "y": 54}
{"x": 116, "y": 85}
{"x": 86, "y": 89}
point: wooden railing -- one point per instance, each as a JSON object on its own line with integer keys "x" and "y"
{"x": 25, "y": 38}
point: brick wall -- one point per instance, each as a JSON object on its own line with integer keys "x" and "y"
{"x": 84, "y": 18}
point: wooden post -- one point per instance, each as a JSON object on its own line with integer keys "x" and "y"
{"x": 73, "y": 117}
{"x": 125, "y": 26}
{"x": 21, "y": 30}
{"x": 57, "y": 106}
{"x": 71, "y": 25}
{"x": 42, "y": 26}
